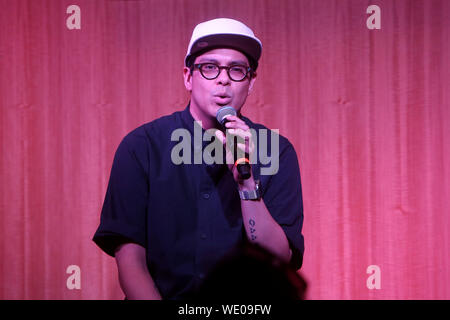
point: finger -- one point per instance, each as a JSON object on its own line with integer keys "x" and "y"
{"x": 246, "y": 148}
{"x": 240, "y": 133}
{"x": 234, "y": 119}
{"x": 243, "y": 139}
{"x": 220, "y": 135}
{"x": 236, "y": 125}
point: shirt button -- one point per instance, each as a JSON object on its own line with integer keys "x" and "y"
{"x": 203, "y": 236}
{"x": 206, "y": 195}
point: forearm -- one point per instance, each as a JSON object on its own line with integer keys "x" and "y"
{"x": 260, "y": 227}
{"x": 135, "y": 280}
{"x": 138, "y": 285}
{"x": 263, "y": 230}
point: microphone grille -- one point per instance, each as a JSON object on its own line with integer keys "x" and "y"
{"x": 223, "y": 112}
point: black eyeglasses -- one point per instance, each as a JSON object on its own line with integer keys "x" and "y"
{"x": 211, "y": 71}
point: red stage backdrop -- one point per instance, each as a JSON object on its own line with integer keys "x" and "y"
{"x": 362, "y": 92}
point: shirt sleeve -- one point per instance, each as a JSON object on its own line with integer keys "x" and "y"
{"x": 123, "y": 215}
{"x": 283, "y": 198}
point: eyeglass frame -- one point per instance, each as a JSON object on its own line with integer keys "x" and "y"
{"x": 198, "y": 66}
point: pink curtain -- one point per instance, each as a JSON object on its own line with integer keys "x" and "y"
{"x": 368, "y": 112}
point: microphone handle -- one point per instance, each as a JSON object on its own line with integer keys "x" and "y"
{"x": 243, "y": 167}
{"x": 244, "y": 170}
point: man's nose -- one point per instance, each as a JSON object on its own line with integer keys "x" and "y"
{"x": 223, "y": 77}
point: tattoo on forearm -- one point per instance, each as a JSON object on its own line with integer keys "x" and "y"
{"x": 251, "y": 222}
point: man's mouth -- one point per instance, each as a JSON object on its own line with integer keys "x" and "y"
{"x": 222, "y": 99}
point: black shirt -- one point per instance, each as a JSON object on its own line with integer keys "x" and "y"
{"x": 188, "y": 216}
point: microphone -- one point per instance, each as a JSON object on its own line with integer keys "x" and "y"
{"x": 242, "y": 164}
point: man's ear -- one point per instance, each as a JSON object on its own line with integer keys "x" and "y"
{"x": 187, "y": 75}
{"x": 252, "y": 82}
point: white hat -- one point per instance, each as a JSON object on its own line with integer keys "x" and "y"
{"x": 223, "y": 32}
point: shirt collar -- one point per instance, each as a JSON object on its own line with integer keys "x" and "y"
{"x": 189, "y": 122}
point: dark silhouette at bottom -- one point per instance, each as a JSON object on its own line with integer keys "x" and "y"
{"x": 252, "y": 273}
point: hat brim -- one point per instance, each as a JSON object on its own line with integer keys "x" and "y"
{"x": 249, "y": 46}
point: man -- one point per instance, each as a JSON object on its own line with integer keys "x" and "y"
{"x": 168, "y": 224}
